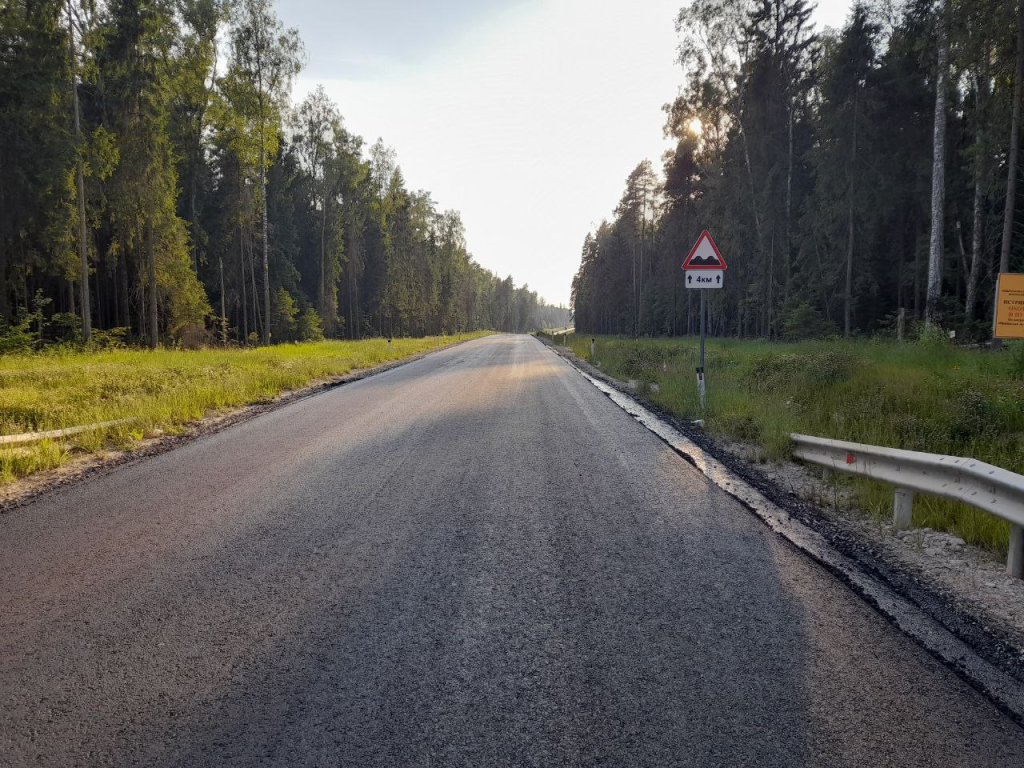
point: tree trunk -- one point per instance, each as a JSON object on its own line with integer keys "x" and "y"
{"x": 124, "y": 297}
{"x": 256, "y": 319}
{"x": 154, "y": 335}
{"x": 4, "y": 310}
{"x": 974, "y": 274}
{"x": 323, "y": 268}
{"x": 266, "y": 247}
{"x": 244, "y": 303}
{"x": 935, "y": 251}
{"x": 223, "y": 303}
{"x": 83, "y": 253}
{"x": 787, "y": 256}
{"x": 194, "y": 224}
{"x": 1011, "y": 171}
{"x": 848, "y": 295}
{"x": 977, "y": 223}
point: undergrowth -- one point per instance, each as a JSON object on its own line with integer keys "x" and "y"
{"x": 924, "y": 396}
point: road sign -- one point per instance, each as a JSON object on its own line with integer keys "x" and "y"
{"x": 1010, "y": 306}
{"x": 705, "y": 268}
{"x": 705, "y": 255}
{"x": 704, "y": 278}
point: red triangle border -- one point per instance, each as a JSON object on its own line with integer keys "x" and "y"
{"x": 718, "y": 253}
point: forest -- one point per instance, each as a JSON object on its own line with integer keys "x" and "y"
{"x": 858, "y": 181}
{"x": 158, "y": 186}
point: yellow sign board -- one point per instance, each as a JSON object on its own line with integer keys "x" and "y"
{"x": 1010, "y": 306}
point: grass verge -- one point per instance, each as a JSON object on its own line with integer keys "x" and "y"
{"x": 923, "y": 396}
{"x": 161, "y": 390}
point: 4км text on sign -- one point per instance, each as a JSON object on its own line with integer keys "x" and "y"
{"x": 704, "y": 278}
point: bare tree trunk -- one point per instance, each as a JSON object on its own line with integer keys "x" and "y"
{"x": 977, "y": 239}
{"x": 83, "y": 254}
{"x": 750, "y": 179}
{"x": 140, "y": 308}
{"x": 1011, "y": 172}
{"x": 848, "y": 297}
{"x": 4, "y": 310}
{"x": 244, "y": 303}
{"x": 328, "y": 319}
{"x": 223, "y": 302}
{"x": 633, "y": 295}
{"x": 769, "y": 290}
{"x": 935, "y": 252}
{"x": 124, "y": 295}
{"x": 974, "y": 274}
{"x": 154, "y": 336}
{"x": 266, "y": 247}
{"x": 193, "y": 220}
{"x": 787, "y": 256}
{"x": 256, "y": 319}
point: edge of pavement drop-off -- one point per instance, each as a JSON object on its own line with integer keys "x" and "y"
{"x": 1002, "y": 689}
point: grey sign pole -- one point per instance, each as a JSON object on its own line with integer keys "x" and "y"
{"x": 701, "y": 385}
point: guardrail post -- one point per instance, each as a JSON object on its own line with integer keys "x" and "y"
{"x": 1015, "y": 558}
{"x": 902, "y": 509}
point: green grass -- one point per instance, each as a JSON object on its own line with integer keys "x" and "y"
{"x": 923, "y": 396}
{"x": 161, "y": 390}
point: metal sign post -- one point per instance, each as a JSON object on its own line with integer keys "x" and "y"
{"x": 705, "y": 269}
{"x": 702, "y": 389}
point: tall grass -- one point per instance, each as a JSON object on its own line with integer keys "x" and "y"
{"x": 160, "y": 389}
{"x": 923, "y": 396}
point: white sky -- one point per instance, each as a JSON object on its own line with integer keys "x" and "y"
{"x": 525, "y": 115}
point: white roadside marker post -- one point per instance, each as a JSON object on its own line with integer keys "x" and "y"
{"x": 902, "y": 509}
{"x": 1015, "y": 558}
{"x": 702, "y": 386}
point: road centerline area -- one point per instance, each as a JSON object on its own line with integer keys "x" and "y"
{"x": 473, "y": 559}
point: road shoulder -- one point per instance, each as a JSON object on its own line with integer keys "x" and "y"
{"x": 38, "y": 484}
{"x": 961, "y": 634}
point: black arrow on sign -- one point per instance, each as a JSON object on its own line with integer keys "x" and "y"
{"x": 718, "y": 278}
{"x": 689, "y": 278}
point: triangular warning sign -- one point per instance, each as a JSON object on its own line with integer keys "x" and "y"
{"x": 705, "y": 255}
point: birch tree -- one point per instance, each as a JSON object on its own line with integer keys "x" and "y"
{"x": 936, "y": 249}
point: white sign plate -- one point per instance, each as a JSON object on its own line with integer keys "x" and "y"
{"x": 704, "y": 278}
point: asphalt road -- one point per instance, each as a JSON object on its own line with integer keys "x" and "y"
{"x": 475, "y": 559}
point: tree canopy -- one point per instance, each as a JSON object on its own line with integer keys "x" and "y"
{"x": 151, "y": 190}
{"x": 848, "y": 175}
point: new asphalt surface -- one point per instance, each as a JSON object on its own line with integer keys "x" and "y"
{"x": 476, "y": 559}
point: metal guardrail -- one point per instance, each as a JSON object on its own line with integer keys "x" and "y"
{"x": 992, "y": 489}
